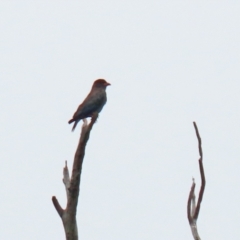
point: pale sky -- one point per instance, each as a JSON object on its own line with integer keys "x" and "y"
{"x": 170, "y": 63}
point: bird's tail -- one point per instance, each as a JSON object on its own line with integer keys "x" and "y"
{"x": 74, "y": 125}
{"x": 70, "y": 121}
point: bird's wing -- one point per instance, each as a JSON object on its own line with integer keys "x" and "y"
{"x": 92, "y": 103}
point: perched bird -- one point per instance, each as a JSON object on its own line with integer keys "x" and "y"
{"x": 93, "y": 103}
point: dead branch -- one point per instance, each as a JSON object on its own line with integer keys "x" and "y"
{"x": 72, "y": 186}
{"x": 192, "y": 209}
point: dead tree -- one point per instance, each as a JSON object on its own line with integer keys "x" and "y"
{"x": 72, "y": 185}
{"x": 192, "y": 209}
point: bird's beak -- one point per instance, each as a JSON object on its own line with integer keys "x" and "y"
{"x": 107, "y": 84}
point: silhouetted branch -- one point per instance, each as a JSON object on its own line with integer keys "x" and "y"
{"x": 57, "y": 206}
{"x": 199, "y": 140}
{"x": 192, "y": 209}
{"x": 72, "y": 185}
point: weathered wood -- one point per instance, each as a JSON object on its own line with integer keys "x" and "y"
{"x": 72, "y": 185}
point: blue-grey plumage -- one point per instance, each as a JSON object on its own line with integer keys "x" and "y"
{"x": 93, "y": 103}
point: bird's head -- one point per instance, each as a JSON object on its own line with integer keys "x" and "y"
{"x": 101, "y": 83}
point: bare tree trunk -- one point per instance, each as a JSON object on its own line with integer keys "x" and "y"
{"x": 192, "y": 209}
{"x": 68, "y": 215}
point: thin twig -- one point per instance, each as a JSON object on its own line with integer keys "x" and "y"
{"x": 199, "y": 140}
{"x": 203, "y": 181}
{"x": 193, "y": 212}
{"x": 200, "y": 196}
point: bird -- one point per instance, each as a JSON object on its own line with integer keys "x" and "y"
{"x": 93, "y": 103}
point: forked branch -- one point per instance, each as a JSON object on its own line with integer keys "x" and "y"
{"x": 192, "y": 209}
{"x": 72, "y": 185}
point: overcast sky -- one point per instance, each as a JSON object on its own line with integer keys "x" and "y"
{"x": 170, "y": 63}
